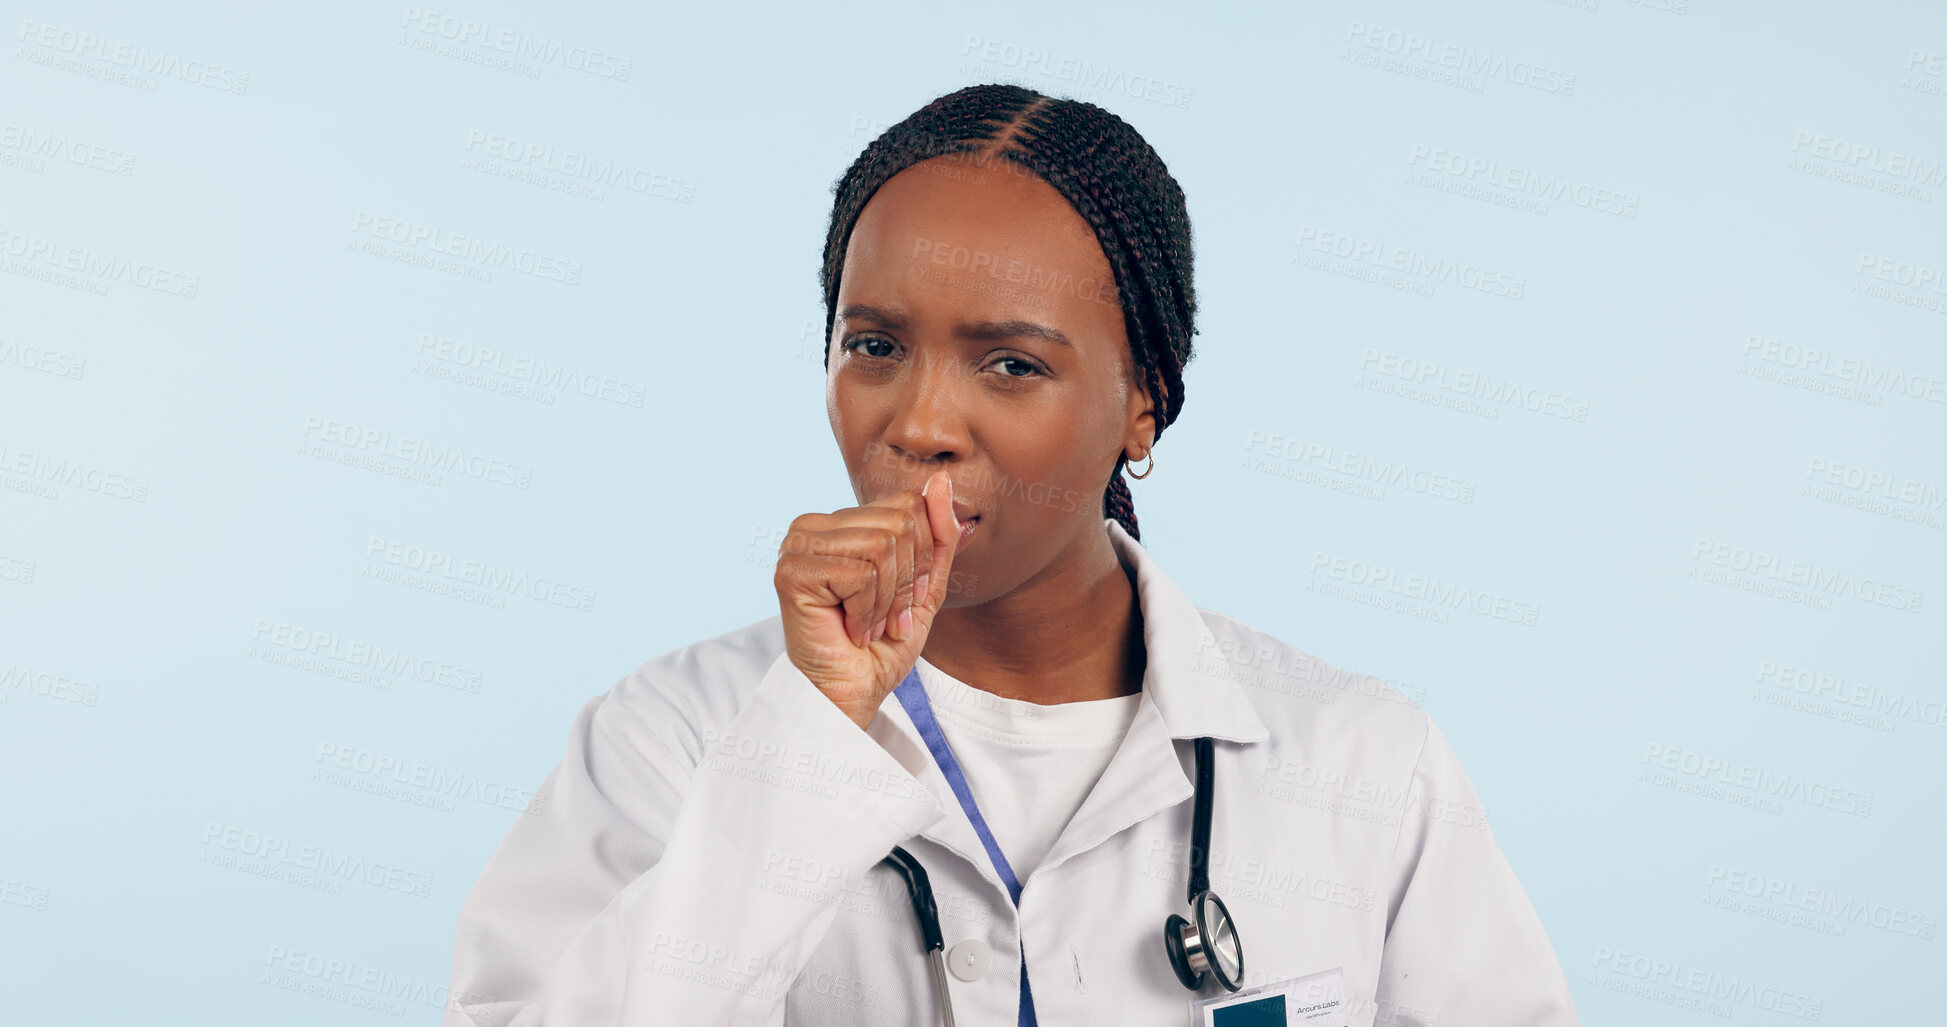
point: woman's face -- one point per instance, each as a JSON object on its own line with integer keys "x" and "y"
{"x": 978, "y": 331}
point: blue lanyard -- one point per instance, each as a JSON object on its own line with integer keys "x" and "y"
{"x": 912, "y": 695}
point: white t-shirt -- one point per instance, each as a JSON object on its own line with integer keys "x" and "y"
{"x": 1028, "y": 766}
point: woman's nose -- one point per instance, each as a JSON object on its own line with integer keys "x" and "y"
{"x": 929, "y": 417}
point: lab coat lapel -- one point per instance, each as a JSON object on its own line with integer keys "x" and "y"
{"x": 1143, "y": 778}
{"x": 895, "y": 730}
{"x": 1180, "y": 701}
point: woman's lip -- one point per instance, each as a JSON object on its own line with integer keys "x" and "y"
{"x": 966, "y": 532}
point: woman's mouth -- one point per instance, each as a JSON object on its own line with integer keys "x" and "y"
{"x": 968, "y": 520}
{"x": 966, "y": 532}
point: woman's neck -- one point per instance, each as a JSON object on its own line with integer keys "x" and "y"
{"x": 1073, "y": 634}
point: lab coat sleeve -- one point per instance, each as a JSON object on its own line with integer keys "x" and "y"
{"x": 1463, "y": 944}
{"x": 670, "y": 877}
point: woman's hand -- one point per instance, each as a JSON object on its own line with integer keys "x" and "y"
{"x": 859, "y": 589}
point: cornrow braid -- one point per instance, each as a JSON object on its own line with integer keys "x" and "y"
{"x": 1105, "y": 170}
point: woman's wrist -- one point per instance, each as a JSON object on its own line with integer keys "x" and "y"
{"x": 863, "y": 718}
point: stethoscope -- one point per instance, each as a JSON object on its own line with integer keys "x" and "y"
{"x": 1206, "y": 943}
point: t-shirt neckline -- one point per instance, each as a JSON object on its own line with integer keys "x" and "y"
{"x": 1083, "y": 723}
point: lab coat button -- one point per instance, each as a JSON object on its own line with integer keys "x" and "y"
{"x": 968, "y": 960}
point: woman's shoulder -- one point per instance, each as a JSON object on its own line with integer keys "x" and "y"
{"x": 701, "y": 686}
{"x": 1311, "y": 705}
{"x": 1262, "y": 661}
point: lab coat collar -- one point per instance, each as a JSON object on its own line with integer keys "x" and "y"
{"x": 1184, "y": 675}
{"x": 1187, "y": 696}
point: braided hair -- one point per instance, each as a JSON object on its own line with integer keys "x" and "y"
{"x": 1105, "y": 170}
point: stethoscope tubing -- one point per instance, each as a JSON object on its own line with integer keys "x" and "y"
{"x": 921, "y": 891}
{"x": 1200, "y": 820}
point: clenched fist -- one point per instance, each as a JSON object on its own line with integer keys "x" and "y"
{"x": 859, "y": 589}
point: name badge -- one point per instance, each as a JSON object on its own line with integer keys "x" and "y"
{"x": 1315, "y": 1000}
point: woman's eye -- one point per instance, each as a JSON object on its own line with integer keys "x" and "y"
{"x": 871, "y": 340}
{"x": 1017, "y": 362}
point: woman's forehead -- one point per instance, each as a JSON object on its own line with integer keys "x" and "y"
{"x": 950, "y": 212}
{"x": 985, "y": 246}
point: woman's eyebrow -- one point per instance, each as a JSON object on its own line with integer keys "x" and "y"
{"x": 877, "y": 315}
{"x": 988, "y": 331}
{"x": 981, "y": 331}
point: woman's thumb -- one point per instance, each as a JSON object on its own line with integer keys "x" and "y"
{"x": 946, "y": 537}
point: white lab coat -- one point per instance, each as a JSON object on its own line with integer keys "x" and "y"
{"x": 709, "y": 852}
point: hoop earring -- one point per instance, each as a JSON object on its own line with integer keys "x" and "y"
{"x": 1151, "y": 457}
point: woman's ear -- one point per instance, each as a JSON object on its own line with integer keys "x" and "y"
{"x": 1141, "y": 436}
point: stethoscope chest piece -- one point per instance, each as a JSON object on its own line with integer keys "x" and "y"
{"x": 1209, "y": 944}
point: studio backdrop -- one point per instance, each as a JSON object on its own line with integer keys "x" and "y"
{"x": 381, "y": 381}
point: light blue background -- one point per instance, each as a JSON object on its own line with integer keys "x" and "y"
{"x": 705, "y": 297}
